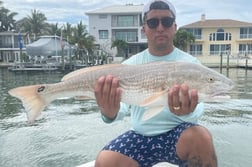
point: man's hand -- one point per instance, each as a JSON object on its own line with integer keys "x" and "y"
{"x": 108, "y": 95}
{"x": 181, "y": 101}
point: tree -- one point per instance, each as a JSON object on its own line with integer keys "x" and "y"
{"x": 82, "y": 38}
{"x": 183, "y": 38}
{"x": 121, "y": 46}
{"x": 68, "y": 32}
{"x": 79, "y": 36}
{"x": 54, "y": 29}
{"x": 36, "y": 24}
{"x": 7, "y": 21}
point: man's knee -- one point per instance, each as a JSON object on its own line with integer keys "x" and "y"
{"x": 114, "y": 159}
{"x": 194, "y": 139}
{"x": 196, "y": 146}
{"x": 199, "y": 134}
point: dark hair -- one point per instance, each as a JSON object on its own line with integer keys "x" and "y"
{"x": 158, "y": 5}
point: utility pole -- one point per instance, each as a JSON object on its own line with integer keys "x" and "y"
{"x": 20, "y": 45}
{"x": 62, "y": 44}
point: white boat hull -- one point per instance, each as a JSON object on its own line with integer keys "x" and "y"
{"x": 163, "y": 164}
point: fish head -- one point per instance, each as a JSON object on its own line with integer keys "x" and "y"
{"x": 210, "y": 84}
{"x": 217, "y": 87}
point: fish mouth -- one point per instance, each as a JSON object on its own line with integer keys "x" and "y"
{"x": 220, "y": 95}
{"x": 224, "y": 91}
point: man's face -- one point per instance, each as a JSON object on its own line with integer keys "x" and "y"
{"x": 161, "y": 34}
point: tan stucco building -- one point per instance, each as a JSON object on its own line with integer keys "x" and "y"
{"x": 214, "y": 37}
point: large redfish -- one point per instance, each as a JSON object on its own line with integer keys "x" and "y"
{"x": 143, "y": 85}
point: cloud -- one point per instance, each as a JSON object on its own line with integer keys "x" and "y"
{"x": 73, "y": 11}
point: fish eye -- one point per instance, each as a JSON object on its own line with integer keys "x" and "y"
{"x": 41, "y": 89}
{"x": 210, "y": 79}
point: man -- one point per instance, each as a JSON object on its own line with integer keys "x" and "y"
{"x": 173, "y": 135}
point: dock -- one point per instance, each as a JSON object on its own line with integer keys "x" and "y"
{"x": 226, "y": 62}
{"x": 209, "y": 61}
{"x": 32, "y": 67}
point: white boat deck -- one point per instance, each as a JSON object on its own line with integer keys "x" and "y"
{"x": 163, "y": 164}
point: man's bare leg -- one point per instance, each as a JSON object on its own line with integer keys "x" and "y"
{"x": 114, "y": 159}
{"x": 196, "y": 146}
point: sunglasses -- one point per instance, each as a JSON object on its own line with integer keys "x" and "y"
{"x": 165, "y": 21}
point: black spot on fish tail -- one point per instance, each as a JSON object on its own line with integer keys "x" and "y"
{"x": 41, "y": 89}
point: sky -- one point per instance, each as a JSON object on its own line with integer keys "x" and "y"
{"x": 188, "y": 11}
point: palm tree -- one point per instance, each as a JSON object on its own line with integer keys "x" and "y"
{"x": 183, "y": 38}
{"x": 68, "y": 32}
{"x": 7, "y": 21}
{"x": 36, "y": 24}
{"x": 83, "y": 40}
{"x": 121, "y": 46}
{"x": 54, "y": 29}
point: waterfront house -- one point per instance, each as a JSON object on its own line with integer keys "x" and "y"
{"x": 214, "y": 37}
{"x": 121, "y": 22}
{"x": 12, "y": 45}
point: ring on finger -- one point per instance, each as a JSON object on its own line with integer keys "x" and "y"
{"x": 176, "y": 108}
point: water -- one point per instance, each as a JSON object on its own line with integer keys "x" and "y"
{"x": 71, "y": 132}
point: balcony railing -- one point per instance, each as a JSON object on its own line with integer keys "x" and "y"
{"x": 198, "y": 36}
{"x": 196, "y": 53}
{"x": 245, "y": 36}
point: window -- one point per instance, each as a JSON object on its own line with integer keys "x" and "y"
{"x": 125, "y": 21}
{"x": 219, "y": 48}
{"x": 195, "y": 49}
{"x": 129, "y": 36}
{"x": 197, "y": 32}
{"x": 246, "y": 32}
{"x": 220, "y": 35}
{"x": 228, "y": 37}
{"x": 103, "y": 34}
{"x": 245, "y": 49}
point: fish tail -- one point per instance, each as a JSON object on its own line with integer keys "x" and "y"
{"x": 32, "y": 101}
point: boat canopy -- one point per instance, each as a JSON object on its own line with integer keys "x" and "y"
{"x": 48, "y": 46}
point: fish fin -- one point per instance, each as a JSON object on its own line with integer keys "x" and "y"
{"x": 153, "y": 99}
{"x": 83, "y": 98}
{"x": 151, "y": 112}
{"x": 33, "y": 103}
{"x": 88, "y": 69}
{"x": 154, "y": 104}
